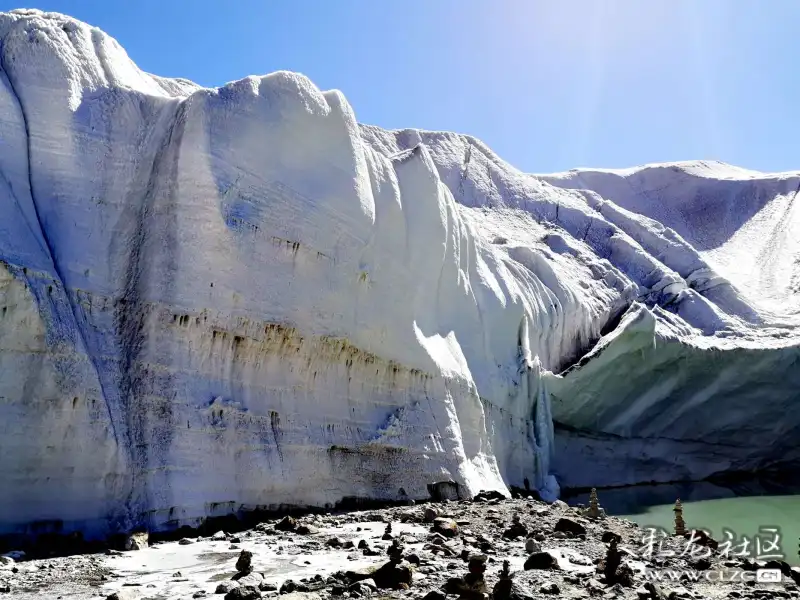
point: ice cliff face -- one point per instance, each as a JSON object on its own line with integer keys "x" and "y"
{"x": 214, "y": 300}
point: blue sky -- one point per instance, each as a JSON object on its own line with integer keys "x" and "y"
{"x": 549, "y": 85}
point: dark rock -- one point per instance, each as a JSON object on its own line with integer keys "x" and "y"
{"x": 289, "y": 586}
{"x": 701, "y": 538}
{"x": 243, "y": 593}
{"x": 350, "y": 577}
{"x": 306, "y": 530}
{"x": 445, "y": 527}
{"x": 701, "y": 564}
{"x": 531, "y": 545}
{"x": 267, "y": 587}
{"x": 245, "y": 562}
{"x": 507, "y": 589}
{"x": 568, "y": 525}
{"x": 413, "y": 558}
{"x": 429, "y": 516}
{"x": 611, "y": 562}
{"x": 395, "y": 550}
{"x": 477, "y": 563}
{"x": 119, "y": 595}
{"x": 550, "y": 588}
{"x": 517, "y": 530}
{"x": 784, "y": 567}
{"x": 185, "y": 542}
{"x": 334, "y": 542}
{"x": 392, "y": 575}
{"x": 226, "y": 586}
{"x": 486, "y": 495}
{"x": 748, "y": 564}
{"x": 443, "y": 491}
{"x": 199, "y": 594}
{"x": 286, "y": 524}
{"x": 610, "y": 535}
{"x": 541, "y": 560}
{"x": 465, "y": 590}
{"x": 653, "y": 590}
{"x": 434, "y": 595}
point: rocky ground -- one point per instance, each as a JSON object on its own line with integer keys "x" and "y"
{"x": 490, "y": 547}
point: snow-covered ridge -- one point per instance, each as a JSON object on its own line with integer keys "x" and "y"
{"x": 214, "y": 300}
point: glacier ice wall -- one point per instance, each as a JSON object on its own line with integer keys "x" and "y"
{"x": 214, "y": 300}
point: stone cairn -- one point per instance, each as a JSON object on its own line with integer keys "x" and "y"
{"x": 594, "y": 511}
{"x": 474, "y": 579}
{"x": 244, "y": 566}
{"x": 387, "y": 535}
{"x": 395, "y": 551}
{"x": 680, "y": 525}
{"x": 594, "y": 505}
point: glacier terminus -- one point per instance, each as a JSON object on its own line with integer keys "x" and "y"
{"x": 241, "y": 298}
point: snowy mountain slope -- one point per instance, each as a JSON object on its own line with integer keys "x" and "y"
{"x": 214, "y": 300}
{"x": 742, "y": 222}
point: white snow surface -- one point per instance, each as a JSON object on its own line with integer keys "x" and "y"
{"x": 217, "y": 300}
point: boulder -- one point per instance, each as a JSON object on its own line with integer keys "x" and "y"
{"x": 286, "y": 524}
{"x": 392, "y": 575}
{"x": 568, "y": 525}
{"x": 306, "y": 530}
{"x": 430, "y": 515}
{"x": 446, "y": 527}
{"x": 531, "y": 546}
{"x": 226, "y": 586}
{"x": 541, "y": 560}
{"x": 249, "y": 579}
{"x": 243, "y": 593}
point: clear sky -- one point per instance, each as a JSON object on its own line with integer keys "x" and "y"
{"x": 548, "y": 84}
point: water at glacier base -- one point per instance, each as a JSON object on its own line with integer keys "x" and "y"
{"x": 745, "y": 509}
